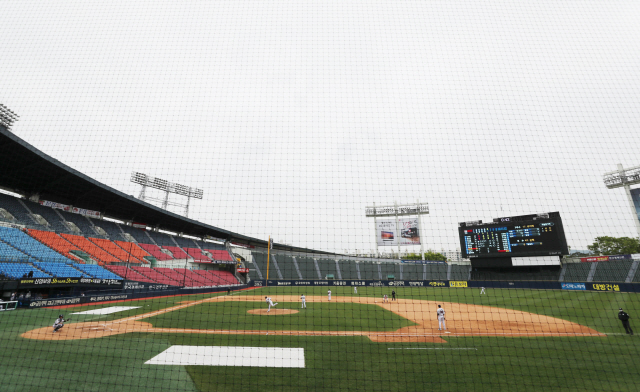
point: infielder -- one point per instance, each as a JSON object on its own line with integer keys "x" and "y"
{"x": 385, "y": 298}
{"x": 482, "y": 290}
{"x": 441, "y": 323}
{"x": 270, "y": 303}
{"x": 59, "y": 323}
{"x": 304, "y": 301}
{"x": 329, "y": 294}
{"x": 355, "y": 289}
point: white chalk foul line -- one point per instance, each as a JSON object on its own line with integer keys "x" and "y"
{"x": 431, "y": 348}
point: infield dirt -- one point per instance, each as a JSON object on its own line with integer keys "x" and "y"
{"x": 461, "y": 319}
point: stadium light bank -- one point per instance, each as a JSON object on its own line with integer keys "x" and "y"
{"x": 167, "y": 187}
{"x": 624, "y": 178}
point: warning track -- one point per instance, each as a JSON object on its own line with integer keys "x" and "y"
{"x": 462, "y": 320}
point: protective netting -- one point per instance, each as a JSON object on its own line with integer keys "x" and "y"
{"x": 340, "y": 196}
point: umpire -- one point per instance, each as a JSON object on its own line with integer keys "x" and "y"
{"x": 624, "y": 317}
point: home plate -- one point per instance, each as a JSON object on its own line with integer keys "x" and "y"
{"x": 109, "y": 310}
{"x": 280, "y": 357}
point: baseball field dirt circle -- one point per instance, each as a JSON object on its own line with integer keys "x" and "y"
{"x": 273, "y": 312}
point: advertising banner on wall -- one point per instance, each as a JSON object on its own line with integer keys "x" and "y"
{"x": 406, "y": 233}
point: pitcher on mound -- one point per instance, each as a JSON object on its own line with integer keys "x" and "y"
{"x": 270, "y": 303}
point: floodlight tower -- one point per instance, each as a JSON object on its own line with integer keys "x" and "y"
{"x": 167, "y": 187}
{"x": 625, "y": 178}
{"x": 7, "y": 117}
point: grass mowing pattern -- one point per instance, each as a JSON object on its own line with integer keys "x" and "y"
{"x": 335, "y": 363}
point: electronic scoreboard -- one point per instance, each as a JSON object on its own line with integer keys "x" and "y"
{"x": 526, "y": 235}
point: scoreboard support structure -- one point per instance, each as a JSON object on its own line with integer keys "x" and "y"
{"x": 624, "y": 178}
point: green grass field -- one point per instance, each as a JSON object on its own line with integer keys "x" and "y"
{"x": 332, "y": 363}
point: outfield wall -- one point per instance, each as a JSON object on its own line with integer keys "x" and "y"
{"x": 539, "y": 285}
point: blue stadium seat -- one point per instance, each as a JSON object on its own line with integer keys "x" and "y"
{"x": 97, "y": 271}
{"x": 32, "y": 247}
{"x": 60, "y": 270}
{"x": 18, "y": 270}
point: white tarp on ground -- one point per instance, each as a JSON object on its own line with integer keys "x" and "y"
{"x": 280, "y": 357}
{"x": 109, "y": 310}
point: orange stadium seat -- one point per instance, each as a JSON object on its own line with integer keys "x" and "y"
{"x": 55, "y": 242}
{"x": 90, "y": 248}
{"x": 114, "y": 250}
{"x": 134, "y": 249}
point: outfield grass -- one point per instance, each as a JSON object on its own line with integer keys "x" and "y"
{"x": 333, "y": 363}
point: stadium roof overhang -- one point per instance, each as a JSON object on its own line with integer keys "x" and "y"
{"x": 29, "y": 171}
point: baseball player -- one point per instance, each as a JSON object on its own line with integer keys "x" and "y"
{"x": 59, "y": 323}
{"x": 329, "y": 294}
{"x": 304, "y": 301}
{"x": 355, "y": 289}
{"x": 385, "y": 298}
{"x": 441, "y": 324}
{"x": 624, "y": 317}
{"x": 270, "y": 303}
{"x": 482, "y": 290}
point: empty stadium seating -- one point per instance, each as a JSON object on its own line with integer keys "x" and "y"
{"x": 176, "y": 252}
{"x": 219, "y": 254}
{"x": 577, "y": 272}
{"x": 26, "y": 244}
{"x": 196, "y": 254}
{"x": 49, "y": 214}
{"x": 168, "y": 272}
{"x": 226, "y": 276}
{"x": 412, "y": 271}
{"x": 18, "y": 270}
{"x": 612, "y": 271}
{"x": 210, "y": 276}
{"x": 156, "y": 276}
{"x": 115, "y": 250}
{"x": 128, "y": 273}
{"x": 138, "y": 234}
{"x": 193, "y": 279}
{"x": 135, "y": 250}
{"x": 60, "y": 270}
{"x": 55, "y": 242}
{"x": 80, "y": 221}
{"x": 112, "y": 229}
{"x": 9, "y": 253}
{"x": 155, "y": 251}
{"x": 97, "y": 271}
{"x": 13, "y": 206}
{"x": 91, "y": 248}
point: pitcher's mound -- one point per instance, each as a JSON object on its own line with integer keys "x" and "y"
{"x": 273, "y": 312}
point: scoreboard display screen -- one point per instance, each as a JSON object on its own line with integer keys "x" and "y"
{"x": 528, "y": 235}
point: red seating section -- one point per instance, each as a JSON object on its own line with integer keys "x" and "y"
{"x": 115, "y": 250}
{"x": 128, "y": 273}
{"x": 154, "y": 250}
{"x": 90, "y": 248}
{"x": 156, "y": 276}
{"x": 226, "y": 276}
{"x": 168, "y": 272}
{"x": 196, "y": 279}
{"x": 220, "y": 255}
{"x": 211, "y": 277}
{"x": 176, "y": 252}
{"x": 197, "y": 254}
{"x": 55, "y": 242}
{"x": 134, "y": 249}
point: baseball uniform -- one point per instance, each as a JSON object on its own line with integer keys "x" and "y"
{"x": 304, "y": 301}
{"x": 441, "y": 322}
{"x": 329, "y": 294}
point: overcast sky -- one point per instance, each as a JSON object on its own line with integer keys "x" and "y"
{"x": 293, "y": 116}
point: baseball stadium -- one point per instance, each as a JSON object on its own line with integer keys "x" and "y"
{"x": 334, "y": 196}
